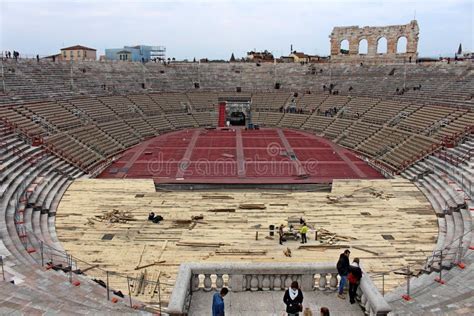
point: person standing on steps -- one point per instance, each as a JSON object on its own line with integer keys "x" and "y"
{"x": 343, "y": 270}
{"x": 355, "y": 274}
{"x": 218, "y": 302}
{"x": 293, "y": 299}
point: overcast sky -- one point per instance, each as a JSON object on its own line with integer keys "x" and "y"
{"x": 217, "y": 28}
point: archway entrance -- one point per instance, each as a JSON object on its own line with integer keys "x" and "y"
{"x": 236, "y": 119}
{"x": 237, "y": 110}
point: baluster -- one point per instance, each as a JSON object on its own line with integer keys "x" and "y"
{"x": 333, "y": 282}
{"x": 288, "y": 281}
{"x": 254, "y": 283}
{"x": 248, "y": 278}
{"x": 219, "y": 281}
{"x": 260, "y": 281}
{"x": 195, "y": 282}
{"x": 271, "y": 278}
{"x": 266, "y": 282}
{"x": 207, "y": 282}
{"x": 277, "y": 282}
{"x": 322, "y": 282}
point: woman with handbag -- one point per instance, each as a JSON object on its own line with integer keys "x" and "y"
{"x": 293, "y": 299}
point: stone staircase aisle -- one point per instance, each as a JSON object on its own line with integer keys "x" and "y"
{"x": 30, "y": 192}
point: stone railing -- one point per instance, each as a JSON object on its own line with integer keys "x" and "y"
{"x": 240, "y": 277}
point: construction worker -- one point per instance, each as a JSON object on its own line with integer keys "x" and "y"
{"x": 303, "y": 231}
{"x": 281, "y": 233}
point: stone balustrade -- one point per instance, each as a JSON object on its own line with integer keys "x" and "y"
{"x": 240, "y": 277}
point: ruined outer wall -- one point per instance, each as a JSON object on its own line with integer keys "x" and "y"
{"x": 354, "y": 34}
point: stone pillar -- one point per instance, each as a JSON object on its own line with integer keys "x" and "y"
{"x": 391, "y": 45}
{"x": 371, "y": 46}
{"x": 354, "y": 45}
{"x": 335, "y": 44}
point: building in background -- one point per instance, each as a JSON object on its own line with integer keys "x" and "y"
{"x": 141, "y": 53}
{"x": 264, "y": 56}
{"x": 299, "y": 57}
{"x": 77, "y": 53}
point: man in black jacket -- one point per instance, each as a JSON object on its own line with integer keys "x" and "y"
{"x": 343, "y": 270}
{"x": 293, "y": 299}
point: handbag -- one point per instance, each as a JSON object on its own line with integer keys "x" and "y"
{"x": 351, "y": 278}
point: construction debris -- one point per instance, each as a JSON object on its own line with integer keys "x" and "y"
{"x": 252, "y": 206}
{"x": 222, "y": 210}
{"x": 331, "y": 238}
{"x": 366, "y": 250}
{"x": 381, "y": 194}
{"x": 114, "y": 216}
{"x": 197, "y": 217}
{"x": 158, "y": 261}
{"x": 322, "y": 246}
{"x": 141, "y": 257}
{"x": 217, "y": 197}
{"x": 200, "y": 244}
{"x": 231, "y": 251}
{"x": 150, "y": 264}
{"x": 337, "y": 199}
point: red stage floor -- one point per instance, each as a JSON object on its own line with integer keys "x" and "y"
{"x": 267, "y": 156}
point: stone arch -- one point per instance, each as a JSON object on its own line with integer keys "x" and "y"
{"x": 402, "y": 45}
{"x": 344, "y": 47}
{"x": 378, "y": 49}
{"x": 363, "y": 47}
{"x": 382, "y": 45}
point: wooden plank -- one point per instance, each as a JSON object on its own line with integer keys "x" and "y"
{"x": 230, "y": 236}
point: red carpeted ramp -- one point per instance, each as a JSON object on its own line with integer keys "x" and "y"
{"x": 221, "y": 121}
{"x": 239, "y": 156}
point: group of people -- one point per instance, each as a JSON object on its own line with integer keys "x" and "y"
{"x": 291, "y": 109}
{"x": 293, "y": 297}
{"x": 8, "y": 54}
{"x": 351, "y": 273}
{"x": 403, "y": 90}
{"x": 303, "y": 231}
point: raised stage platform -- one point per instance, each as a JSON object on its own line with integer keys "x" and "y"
{"x": 239, "y": 156}
{"x": 227, "y": 232}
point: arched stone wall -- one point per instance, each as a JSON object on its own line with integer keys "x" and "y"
{"x": 354, "y": 34}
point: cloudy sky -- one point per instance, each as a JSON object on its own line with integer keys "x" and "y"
{"x": 217, "y": 28}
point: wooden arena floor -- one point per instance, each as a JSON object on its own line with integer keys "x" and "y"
{"x": 365, "y": 210}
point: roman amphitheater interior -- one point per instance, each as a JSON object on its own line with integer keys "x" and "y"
{"x": 373, "y": 151}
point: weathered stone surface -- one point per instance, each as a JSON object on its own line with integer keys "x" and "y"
{"x": 392, "y": 33}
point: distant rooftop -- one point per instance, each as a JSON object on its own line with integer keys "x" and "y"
{"x": 76, "y": 47}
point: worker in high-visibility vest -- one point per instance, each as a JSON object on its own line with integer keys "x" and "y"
{"x": 303, "y": 231}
